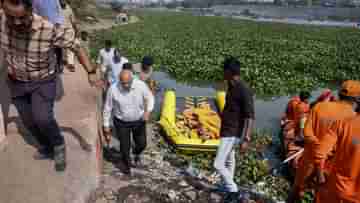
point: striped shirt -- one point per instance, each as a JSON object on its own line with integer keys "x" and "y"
{"x": 31, "y": 56}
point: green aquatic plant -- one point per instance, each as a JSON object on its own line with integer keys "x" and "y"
{"x": 276, "y": 59}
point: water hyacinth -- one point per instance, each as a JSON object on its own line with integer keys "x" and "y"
{"x": 277, "y": 59}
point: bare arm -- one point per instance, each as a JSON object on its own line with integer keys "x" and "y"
{"x": 85, "y": 60}
{"x": 149, "y": 99}
{"x": 248, "y": 126}
{"x": 65, "y": 38}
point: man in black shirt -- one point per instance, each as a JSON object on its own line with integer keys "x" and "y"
{"x": 236, "y": 124}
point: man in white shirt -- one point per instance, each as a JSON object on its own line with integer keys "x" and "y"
{"x": 105, "y": 57}
{"x": 115, "y": 67}
{"x": 129, "y": 102}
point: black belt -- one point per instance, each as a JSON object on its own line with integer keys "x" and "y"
{"x": 129, "y": 123}
{"x": 46, "y": 79}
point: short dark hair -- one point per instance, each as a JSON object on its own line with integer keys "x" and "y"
{"x": 127, "y": 66}
{"x": 108, "y": 43}
{"x": 26, "y": 3}
{"x": 62, "y": 4}
{"x": 304, "y": 95}
{"x": 148, "y": 60}
{"x": 84, "y": 35}
{"x": 232, "y": 65}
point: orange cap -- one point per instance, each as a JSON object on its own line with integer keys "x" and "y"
{"x": 350, "y": 88}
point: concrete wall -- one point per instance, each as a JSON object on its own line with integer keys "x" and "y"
{"x": 291, "y": 12}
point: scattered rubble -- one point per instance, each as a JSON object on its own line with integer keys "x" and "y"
{"x": 91, "y": 19}
{"x": 165, "y": 178}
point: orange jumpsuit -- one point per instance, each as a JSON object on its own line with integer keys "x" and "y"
{"x": 343, "y": 184}
{"x": 319, "y": 121}
{"x": 290, "y": 109}
{"x": 301, "y": 110}
{"x": 296, "y": 110}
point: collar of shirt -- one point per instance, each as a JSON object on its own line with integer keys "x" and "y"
{"x": 35, "y": 24}
{"x": 37, "y": 21}
{"x": 121, "y": 87}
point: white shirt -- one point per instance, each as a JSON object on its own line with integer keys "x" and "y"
{"x": 69, "y": 17}
{"x": 115, "y": 69}
{"x": 105, "y": 58}
{"x": 127, "y": 105}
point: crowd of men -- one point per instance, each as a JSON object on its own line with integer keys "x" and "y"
{"x": 129, "y": 101}
{"x": 40, "y": 37}
{"x": 37, "y": 41}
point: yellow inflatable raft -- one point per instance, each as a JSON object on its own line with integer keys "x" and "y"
{"x": 186, "y": 142}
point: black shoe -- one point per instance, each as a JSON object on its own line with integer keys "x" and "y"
{"x": 71, "y": 68}
{"x": 43, "y": 154}
{"x": 231, "y": 197}
{"x": 132, "y": 164}
{"x": 138, "y": 162}
{"x": 127, "y": 171}
{"x": 60, "y": 158}
{"x": 124, "y": 167}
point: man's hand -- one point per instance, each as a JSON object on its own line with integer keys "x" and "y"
{"x": 107, "y": 135}
{"x": 146, "y": 116}
{"x": 142, "y": 76}
{"x": 243, "y": 146}
{"x": 92, "y": 77}
{"x": 320, "y": 177}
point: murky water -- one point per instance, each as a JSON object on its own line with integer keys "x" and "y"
{"x": 267, "y": 112}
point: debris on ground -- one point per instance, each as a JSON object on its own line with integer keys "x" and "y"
{"x": 170, "y": 177}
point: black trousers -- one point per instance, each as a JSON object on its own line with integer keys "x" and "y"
{"x": 34, "y": 102}
{"x": 123, "y": 132}
{"x": 59, "y": 57}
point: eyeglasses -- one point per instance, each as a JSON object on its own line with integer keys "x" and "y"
{"x": 23, "y": 19}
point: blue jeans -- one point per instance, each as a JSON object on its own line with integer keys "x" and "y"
{"x": 225, "y": 162}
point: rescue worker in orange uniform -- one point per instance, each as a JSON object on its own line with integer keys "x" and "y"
{"x": 296, "y": 113}
{"x": 291, "y": 114}
{"x": 318, "y": 123}
{"x": 326, "y": 95}
{"x": 343, "y": 182}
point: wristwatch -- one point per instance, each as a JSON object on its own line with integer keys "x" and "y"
{"x": 92, "y": 72}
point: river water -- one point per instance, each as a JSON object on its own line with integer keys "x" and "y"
{"x": 267, "y": 111}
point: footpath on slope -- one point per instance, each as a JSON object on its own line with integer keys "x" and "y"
{"x": 25, "y": 180}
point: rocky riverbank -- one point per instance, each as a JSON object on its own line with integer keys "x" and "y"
{"x": 168, "y": 176}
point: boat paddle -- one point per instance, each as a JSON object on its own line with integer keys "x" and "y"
{"x": 275, "y": 169}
